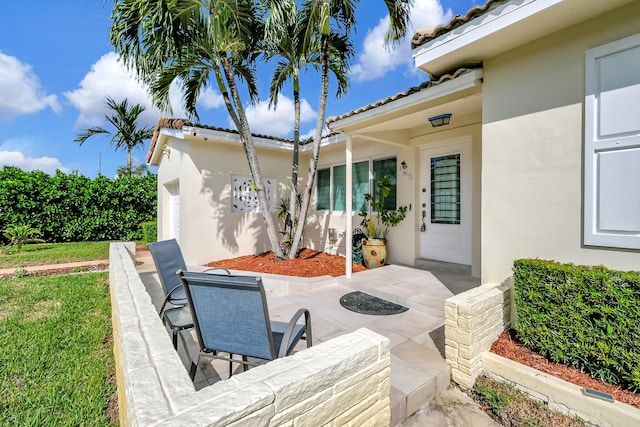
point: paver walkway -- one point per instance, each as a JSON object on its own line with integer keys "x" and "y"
{"x": 419, "y": 375}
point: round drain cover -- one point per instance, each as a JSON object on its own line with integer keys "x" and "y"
{"x": 368, "y": 304}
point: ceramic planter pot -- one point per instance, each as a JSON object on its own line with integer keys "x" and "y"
{"x": 374, "y": 252}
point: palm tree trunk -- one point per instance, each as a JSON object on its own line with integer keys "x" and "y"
{"x": 293, "y": 203}
{"x": 252, "y": 157}
{"x": 315, "y": 156}
{"x": 129, "y": 161}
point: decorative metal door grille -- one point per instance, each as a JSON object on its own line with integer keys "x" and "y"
{"x": 245, "y": 198}
{"x": 445, "y": 189}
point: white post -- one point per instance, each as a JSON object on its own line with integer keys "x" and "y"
{"x": 349, "y": 208}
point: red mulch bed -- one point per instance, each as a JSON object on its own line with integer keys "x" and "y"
{"x": 309, "y": 263}
{"x": 508, "y": 346}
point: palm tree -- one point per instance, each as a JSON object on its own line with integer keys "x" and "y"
{"x": 318, "y": 16}
{"x": 192, "y": 41}
{"x": 293, "y": 58}
{"x": 196, "y": 41}
{"x": 127, "y": 134}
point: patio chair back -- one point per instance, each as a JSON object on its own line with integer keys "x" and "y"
{"x": 168, "y": 259}
{"x": 230, "y": 314}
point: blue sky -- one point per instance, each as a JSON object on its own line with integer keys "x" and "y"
{"x": 57, "y": 67}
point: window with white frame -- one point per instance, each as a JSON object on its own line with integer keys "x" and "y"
{"x": 331, "y": 184}
{"x": 612, "y": 145}
{"x": 245, "y": 197}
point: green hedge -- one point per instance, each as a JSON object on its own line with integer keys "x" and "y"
{"x": 581, "y": 316}
{"x": 70, "y": 208}
{"x": 149, "y": 231}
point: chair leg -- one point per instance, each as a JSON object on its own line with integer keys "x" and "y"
{"x": 194, "y": 367}
{"x": 175, "y": 338}
{"x": 192, "y": 371}
{"x": 244, "y": 363}
{"x": 230, "y": 365}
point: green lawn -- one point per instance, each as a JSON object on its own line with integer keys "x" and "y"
{"x": 56, "y": 357}
{"x": 54, "y": 253}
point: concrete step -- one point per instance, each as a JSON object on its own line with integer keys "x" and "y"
{"x": 441, "y": 266}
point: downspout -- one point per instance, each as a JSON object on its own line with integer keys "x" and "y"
{"x": 349, "y": 208}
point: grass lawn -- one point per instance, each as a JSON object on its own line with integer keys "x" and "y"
{"x": 56, "y": 357}
{"x": 54, "y": 253}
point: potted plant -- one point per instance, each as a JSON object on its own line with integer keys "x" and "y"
{"x": 377, "y": 223}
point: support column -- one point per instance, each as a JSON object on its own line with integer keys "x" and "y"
{"x": 349, "y": 208}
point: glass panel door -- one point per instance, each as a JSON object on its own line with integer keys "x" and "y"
{"x": 445, "y": 189}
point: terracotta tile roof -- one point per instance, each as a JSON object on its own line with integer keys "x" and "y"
{"x": 423, "y": 36}
{"x": 165, "y": 122}
{"x": 424, "y": 86}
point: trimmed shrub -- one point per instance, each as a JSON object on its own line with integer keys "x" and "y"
{"x": 581, "y": 316}
{"x": 149, "y": 231}
{"x": 71, "y": 208}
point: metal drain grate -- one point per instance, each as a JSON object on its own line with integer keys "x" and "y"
{"x": 362, "y": 303}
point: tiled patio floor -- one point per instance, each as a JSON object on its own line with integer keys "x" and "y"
{"x": 418, "y": 369}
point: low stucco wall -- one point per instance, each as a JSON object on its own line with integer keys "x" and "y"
{"x": 343, "y": 381}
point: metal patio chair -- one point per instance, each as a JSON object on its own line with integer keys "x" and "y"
{"x": 168, "y": 259}
{"x": 230, "y": 315}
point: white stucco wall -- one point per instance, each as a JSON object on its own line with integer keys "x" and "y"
{"x": 532, "y": 152}
{"x": 401, "y": 238}
{"x": 209, "y": 230}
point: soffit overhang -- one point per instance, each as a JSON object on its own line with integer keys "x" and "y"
{"x": 498, "y": 28}
{"x": 392, "y": 122}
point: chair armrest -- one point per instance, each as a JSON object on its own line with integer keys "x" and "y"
{"x": 284, "y": 345}
{"x": 168, "y": 297}
{"x": 217, "y": 268}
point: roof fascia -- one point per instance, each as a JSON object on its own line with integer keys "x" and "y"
{"x": 465, "y": 81}
{"x": 231, "y": 137}
{"x": 235, "y": 138}
{"x": 334, "y": 139}
{"x": 497, "y": 19}
{"x": 163, "y": 137}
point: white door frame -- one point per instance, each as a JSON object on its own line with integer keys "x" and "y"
{"x": 173, "y": 214}
{"x": 447, "y": 242}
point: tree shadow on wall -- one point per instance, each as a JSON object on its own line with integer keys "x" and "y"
{"x": 233, "y": 229}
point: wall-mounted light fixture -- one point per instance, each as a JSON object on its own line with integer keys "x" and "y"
{"x": 166, "y": 151}
{"x": 440, "y": 120}
{"x": 403, "y": 165}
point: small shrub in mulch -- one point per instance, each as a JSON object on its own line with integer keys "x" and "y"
{"x": 512, "y": 408}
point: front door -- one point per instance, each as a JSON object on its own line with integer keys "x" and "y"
{"x": 445, "y": 203}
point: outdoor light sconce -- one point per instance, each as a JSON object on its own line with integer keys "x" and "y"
{"x": 403, "y": 165}
{"x": 440, "y": 120}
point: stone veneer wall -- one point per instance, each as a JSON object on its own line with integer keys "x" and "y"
{"x": 342, "y": 381}
{"x": 474, "y": 320}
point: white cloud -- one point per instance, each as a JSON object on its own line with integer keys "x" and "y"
{"x": 110, "y": 77}
{"x": 21, "y": 90}
{"x": 377, "y": 59}
{"x": 278, "y": 122}
{"x": 210, "y": 99}
{"x": 45, "y": 164}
